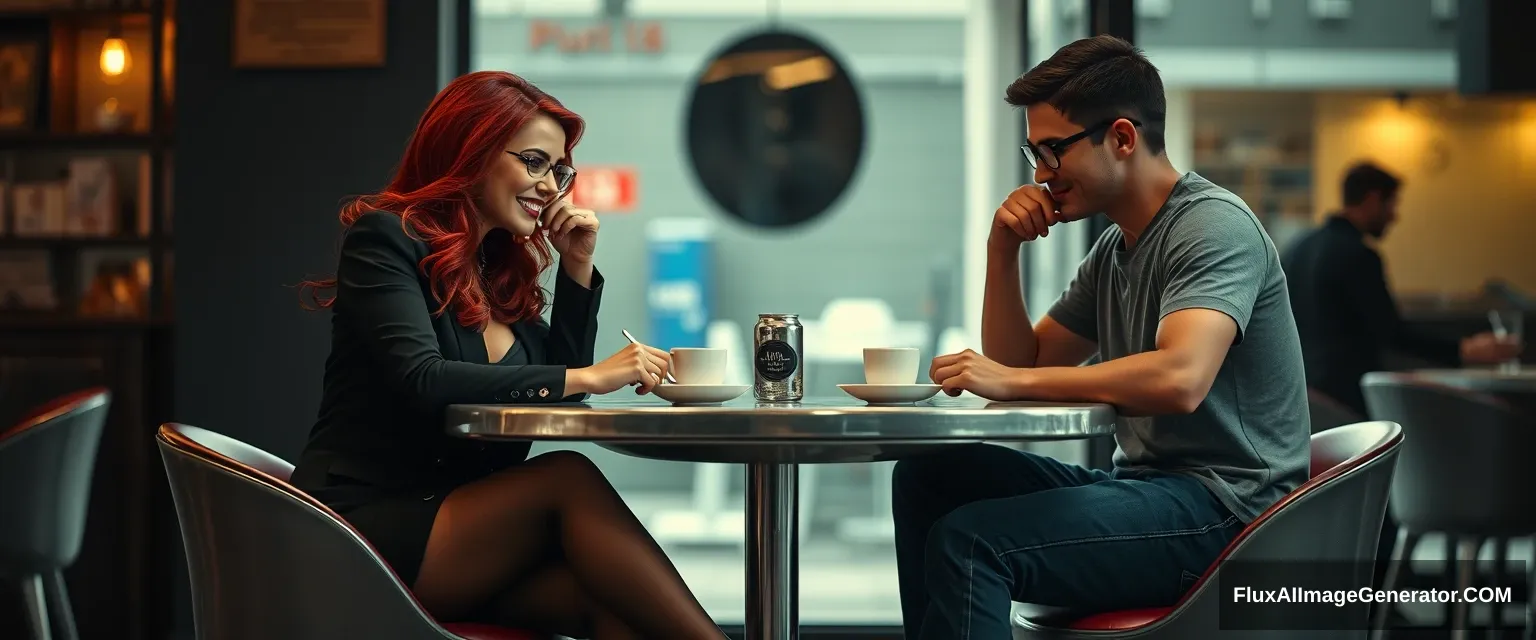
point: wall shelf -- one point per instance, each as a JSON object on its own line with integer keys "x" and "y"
{"x": 48, "y": 321}
{"x": 78, "y": 10}
{"x": 76, "y": 141}
{"x": 14, "y": 243}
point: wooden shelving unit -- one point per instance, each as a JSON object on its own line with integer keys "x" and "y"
{"x": 116, "y": 122}
{"x": 90, "y": 152}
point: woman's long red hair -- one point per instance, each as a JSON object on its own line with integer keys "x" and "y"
{"x": 455, "y": 144}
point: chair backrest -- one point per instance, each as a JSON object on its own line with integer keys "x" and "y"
{"x": 1352, "y": 468}
{"x": 1324, "y": 533}
{"x": 46, "y": 465}
{"x": 1327, "y": 413}
{"x": 267, "y": 560}
{"x": 1464, "y": 462}
{"x": 237, "y": 452}
{"x": 846, "y": 326}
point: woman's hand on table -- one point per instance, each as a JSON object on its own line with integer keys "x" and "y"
{"x": 635, "y": 364}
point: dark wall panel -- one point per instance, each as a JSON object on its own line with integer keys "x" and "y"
{"x": 263, "y": 159}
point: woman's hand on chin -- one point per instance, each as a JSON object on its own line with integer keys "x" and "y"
{"x": 571, "y": 231}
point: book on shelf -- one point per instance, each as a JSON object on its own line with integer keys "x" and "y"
{"x": 91, "y": 199}
{"x": 39, "y": 209}
{"x": 26, "y": 281}
{"x": 88, "y": 202}
{"x": 144, "y": 216}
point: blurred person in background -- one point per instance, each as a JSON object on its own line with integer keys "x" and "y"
{"x": 1344, "y": 308}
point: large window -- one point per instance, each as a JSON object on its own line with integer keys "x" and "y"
{"x": 1269, "y": 99}
{"x": 881, "y": 267}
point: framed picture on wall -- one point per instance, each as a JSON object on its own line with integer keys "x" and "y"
{"x": 19, "y": 6}
{"x": 314, "y": 34}
{"x": 21, "y": 83}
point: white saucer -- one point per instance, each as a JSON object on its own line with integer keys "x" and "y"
{"x": 699, "y": 393}
{"x": 891, "y": 393}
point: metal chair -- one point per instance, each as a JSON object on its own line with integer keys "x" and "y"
{"x": 268, "y": 561}
{"x": 46, "y": 464}
{"x": 1326, "y": 532}
{"x": 1464, "y": 474}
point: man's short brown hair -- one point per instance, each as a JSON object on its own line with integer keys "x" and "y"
{"x": 1097, "y": 79}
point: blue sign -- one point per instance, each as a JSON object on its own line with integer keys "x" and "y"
{"x": 680, "y": 296}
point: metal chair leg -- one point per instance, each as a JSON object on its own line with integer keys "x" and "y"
{"x": 1499, "y": 579}
{"x": 1530, "y": 597}
{"x": 1464, "y": 563}
{"x": 1448, "y": 582}
{"x": 1402, "y": 559}
{"x": 37, "y": 607}
{"x": 63, "y": 613}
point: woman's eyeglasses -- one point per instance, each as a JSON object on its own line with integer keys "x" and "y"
{"x": 540, "y": 166}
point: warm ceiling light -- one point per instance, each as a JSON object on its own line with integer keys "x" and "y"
{"x": 114, "y": 56}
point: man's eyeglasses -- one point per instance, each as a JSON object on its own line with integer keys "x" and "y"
{"x": 1049, "y": 153}
{"x": 540, "y": 166}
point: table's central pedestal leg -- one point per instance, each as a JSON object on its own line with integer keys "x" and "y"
{"x": 772, "y": 552}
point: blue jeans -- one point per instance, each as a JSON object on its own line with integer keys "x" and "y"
{"x": 981, "y": 526}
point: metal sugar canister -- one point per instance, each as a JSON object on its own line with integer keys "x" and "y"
{"x": 777, "y": 352}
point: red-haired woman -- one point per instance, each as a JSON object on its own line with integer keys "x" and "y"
{"x": 436, "y": 301}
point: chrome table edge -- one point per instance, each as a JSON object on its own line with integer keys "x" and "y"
{"x": 746, "y": 423}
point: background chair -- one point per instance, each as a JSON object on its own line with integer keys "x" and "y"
{"x": 46, "y": 464}
{"x": 1464, "y": 473}
{"x": 1325, "y": 532}
{"x": 268, "y": 561}
{"x": 1327, "y": 413}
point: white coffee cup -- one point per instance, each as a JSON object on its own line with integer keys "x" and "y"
{"x": 890, "y": 365}
{"x": 698, "y": 366}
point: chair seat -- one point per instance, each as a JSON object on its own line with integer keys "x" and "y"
{"x": 471, "y": 631}
{"x": 1120, "y": 620}
{"x": 1107, "y": 621}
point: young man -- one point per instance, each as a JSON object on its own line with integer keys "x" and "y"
{"x": 1185, "y": 303}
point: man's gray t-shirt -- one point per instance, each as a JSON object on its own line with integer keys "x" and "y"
{"x": 1249, "y": 440}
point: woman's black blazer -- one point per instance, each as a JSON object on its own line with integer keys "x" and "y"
{"x": 395, "y": 366}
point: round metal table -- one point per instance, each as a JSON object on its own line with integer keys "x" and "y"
{"x": 772, "y": 439}
{"x": 1485, "y": 380}
{"x": 1518, "y": 388}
